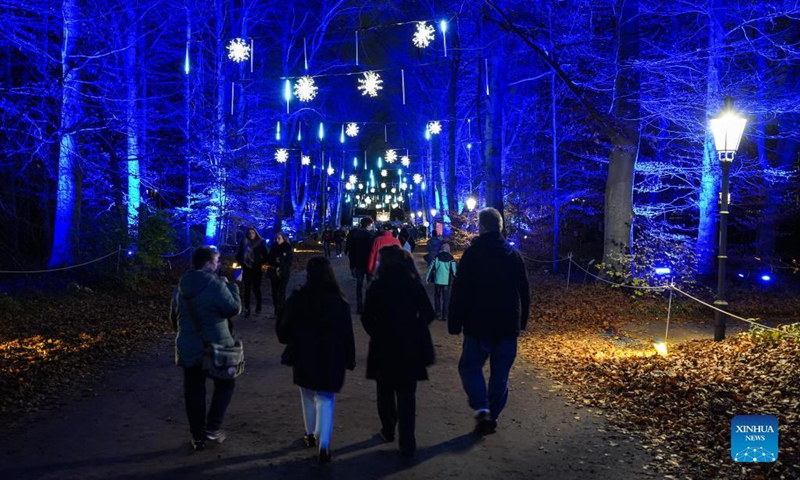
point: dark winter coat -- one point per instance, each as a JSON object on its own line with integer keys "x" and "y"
{"x": 257, "y": 254}
{"x": 396, "y": 316}
{"x": 358, "y": 248}
{"x": 214, "y": 302}
{"x": 280, "y": 257}
{"x": 491, "y": 296}
{"x": 434, "y": 245}
{"x": 319, "y": 340}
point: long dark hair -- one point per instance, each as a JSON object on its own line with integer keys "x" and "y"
{"x": 320, "y": 283}
{"x": 395, "y": 263}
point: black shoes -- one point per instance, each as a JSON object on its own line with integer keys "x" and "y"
{"x": 310, "y": 440}
{"x": 198, "y": 445}
{"x": 484, "y": 425}
{"x": 324, "y": 456}
{"x": 386, "y": 436}
{"x": 246, "y": 313}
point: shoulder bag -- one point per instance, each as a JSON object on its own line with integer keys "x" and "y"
{"x": 219, "y": 361}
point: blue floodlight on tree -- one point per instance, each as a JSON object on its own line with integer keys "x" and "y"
{"x": 134, "y": 190}
{"x": 766, "y": 278}
{"x": 663, "y": 270}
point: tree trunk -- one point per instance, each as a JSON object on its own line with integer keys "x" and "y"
{"x": 625, "y": 145}
{"x": 493, "y": 130}
{"x": 709, "y": 181}
{"x": 70, "y": 175}
{"x": 131, "y": 125}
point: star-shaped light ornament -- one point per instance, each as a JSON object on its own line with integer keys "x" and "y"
{"x": 238, "y": 50}
{"x": 304, "y": 89}
{"x": 423, "y": 36}
{"x": 417, "y": 178}
{"x": 405, "y": 161}
{"x": 434, "y": 127}
{"x": 305, "y": 160}
{"x": 281, "y": 155}
{"x": 352, "y": 130}
{"x": 353, "y": 179}
{"x": 370, "y": 84}
{"x": 391, "y": 156}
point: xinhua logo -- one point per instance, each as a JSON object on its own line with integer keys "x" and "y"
{"x": 754, "y": 438}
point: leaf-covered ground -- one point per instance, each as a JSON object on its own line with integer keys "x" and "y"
{"x": 680, "y": 405}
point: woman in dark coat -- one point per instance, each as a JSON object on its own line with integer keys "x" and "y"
{"x": 318, "y": 332}
{"x": 396, "y": 316}
{"x": 280, "y": 259}
{"x": 251, "y": 256}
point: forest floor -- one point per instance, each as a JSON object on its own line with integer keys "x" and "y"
{"x": 90, "y": 391}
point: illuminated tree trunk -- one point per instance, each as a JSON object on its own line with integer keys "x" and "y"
{"x": 618, "y": 220}
{"x": 709, "y": 180}
{"x": 132, "y": 125}
{"x": 217, "y": 193}
{"x": 70, "y": 174}
{"x": 493, "y": 121}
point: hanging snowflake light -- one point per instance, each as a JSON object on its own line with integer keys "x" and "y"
{"x": 304, "y": 89}
{"x": 423, "y": 36}
{"x": 404, "y": 186}
{"x": 417, "y": 178}
{"x": 348, "y": 186}
{"x": 281, "y": 155}
{"x": 384, "y": 173}
{"x": 435, "y": 128}
{"x": 305, "y": 160}
{"x": 352, "y": 179}
{"x": 370, "y": 84}
{"x": 238, "y": 50}
{"x": 330, "y": 170}
{"x": 383, "y": 184}
{"x": 352, "y": 130}
{"x": 391, "y": 156}
{"x": 405, "y": 161}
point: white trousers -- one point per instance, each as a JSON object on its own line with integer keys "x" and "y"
{"x": 318, "y": 415}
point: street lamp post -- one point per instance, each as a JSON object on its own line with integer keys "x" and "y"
{"x": 727, "y": 128}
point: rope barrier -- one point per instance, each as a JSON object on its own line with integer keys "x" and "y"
{"x": 747, "y": 320}
{"x": 529, "y": 259}
{"x": 115, "y": 252}
{"x": 621, "y": 285}
{"x": 177, "y": 254}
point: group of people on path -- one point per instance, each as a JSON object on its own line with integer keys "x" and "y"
{"x": 489, "y": 305}
{"x": 253, "y": 256}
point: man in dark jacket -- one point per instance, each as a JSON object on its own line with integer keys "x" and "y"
{"x": 490, "y": 303}
{"x": 200, "y": 309}
{"x": 359, "y": 245}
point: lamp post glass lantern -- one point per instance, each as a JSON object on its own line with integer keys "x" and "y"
{"x": 727, "y": 128}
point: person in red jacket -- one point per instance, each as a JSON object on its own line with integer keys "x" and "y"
{"x": 386, "y": 238}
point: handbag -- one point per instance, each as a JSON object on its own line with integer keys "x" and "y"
{"x": 219, "y": 361}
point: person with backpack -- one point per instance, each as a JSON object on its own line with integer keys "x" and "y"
{"x": 441, "y": 273}
{"x": 199, "y": 312}
{"x": 318, "y": 333}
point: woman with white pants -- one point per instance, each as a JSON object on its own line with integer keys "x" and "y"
{"x": 318, "y": 332}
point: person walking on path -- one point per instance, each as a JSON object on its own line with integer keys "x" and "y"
{"x": 318, "y": 333}
{"x": 434, "y": 245}
{"x": 200, "y": 310}
{"x": 490, "y": 303}
{"x": 386, "y": 238}
{"x": 397, "y": 313}
{"x": 338, "y": 239}
{"x": 441, "y": 273}
{"x": 358, "y": 248}
{"x": 280, "y": 259}
{"x": 327, "y": 238}
{"x": 406, "y": 240}
{"x": 252, "y": 255}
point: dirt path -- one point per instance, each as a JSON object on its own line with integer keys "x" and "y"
{"x": 133, "y": 425}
